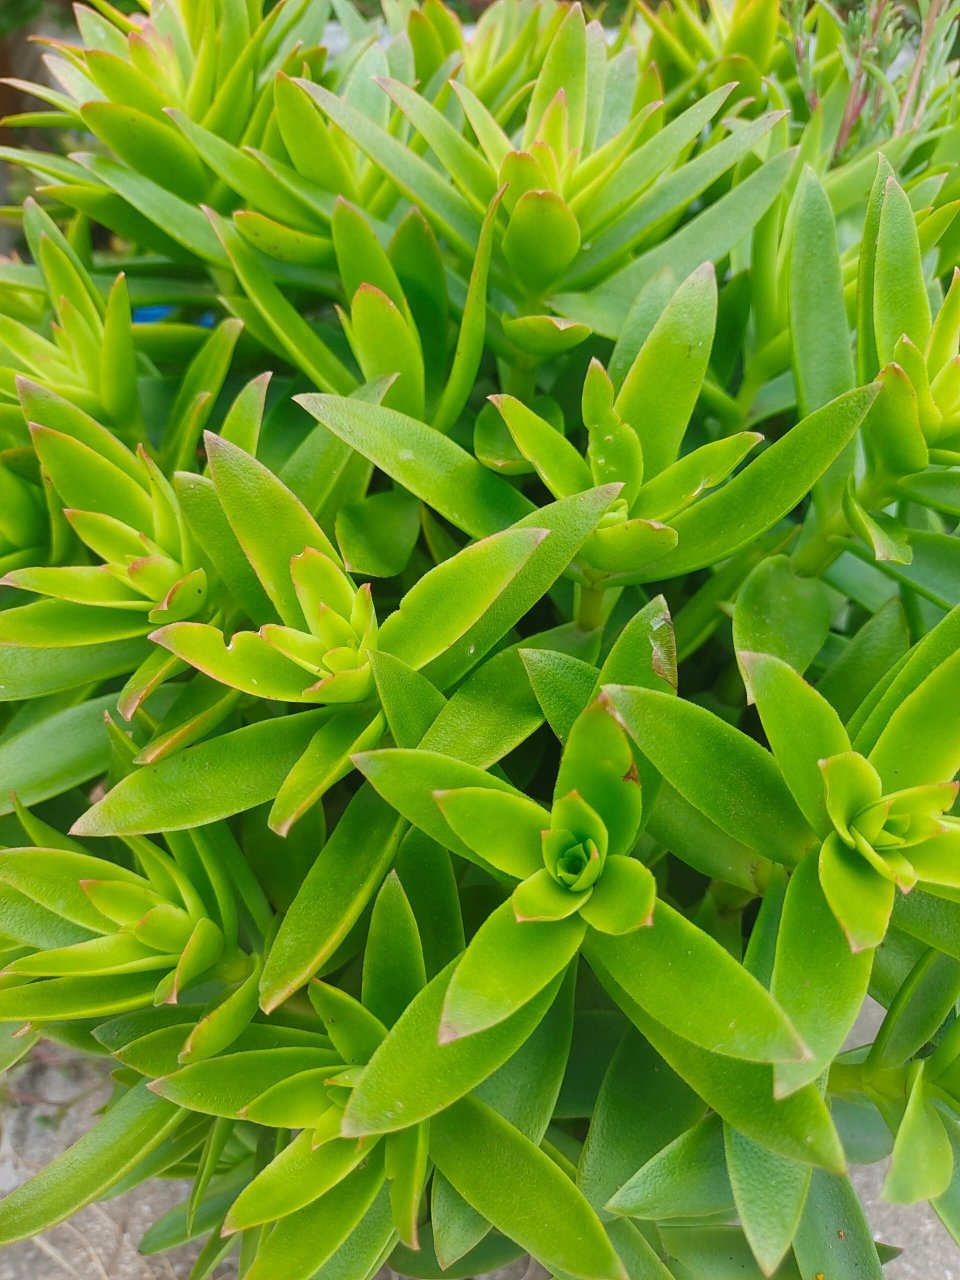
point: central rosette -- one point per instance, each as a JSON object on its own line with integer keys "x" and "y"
{"x": 575, "y": 846}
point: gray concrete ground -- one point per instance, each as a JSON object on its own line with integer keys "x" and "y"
{"x": 929, "y": 1252}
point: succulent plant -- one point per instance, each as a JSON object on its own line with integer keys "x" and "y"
{"x": 478, "y": 631}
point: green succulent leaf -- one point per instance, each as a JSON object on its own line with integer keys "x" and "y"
{"x": 769, "y": 1193}
{"x": 412, "y": 1075}
{"x": 763, "y": 492}
{"x": 797, "y": 1127}
{"x": 136, "y": 1124}
{"x": 834, "y": 1232}
{"x": 686, "y": 1179}
{"x": 507, "y": 962}
{"x": 211, "y": 780}
{"x": 800, "y": 968}
{"x": 343, "y": 879}
{"x": 467, "y": 1140}
{"x": 651, "y": 965}
{"x": 681, "y": 740}
{"x": 922, "y": 1162}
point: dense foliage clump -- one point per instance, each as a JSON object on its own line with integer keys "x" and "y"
{"x": 480, "y": 630}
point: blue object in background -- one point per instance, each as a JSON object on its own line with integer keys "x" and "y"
{"x": 152, "y": 315}
{"x": 160, "y": 312}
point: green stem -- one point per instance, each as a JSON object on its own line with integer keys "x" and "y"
{"x": 818, "y": 552}
{"x": 520, "y": 380}
{"x": 590, "y": 610}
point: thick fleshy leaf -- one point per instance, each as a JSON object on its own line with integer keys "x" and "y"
{"x": 766, "y": 490}
{"x": 541, "y": 240}
{"x": 300, "y": 1245}
{"x": 707, "y": 237}
{"x": 802, "y": 729}
{"x": 919, "y": 1009}
{"x": 850, "y": 784}
{"x": 220, "y": 1027}
{"x": 563, "y": 686}
{"x": 801, "y": 974}
{"x": 463, "y": 728}
{"x": 662, "y": 386}
{"x": 505, "y": 965}
{"x": 53, "y": 877}
{"x": 879, "y": 644}
{"x": 355, "y": 1031}
{"x": 644, "y": 654}
{"x": 920, "y": 742}
{"x": 748, "y": 799}
{"x": 212, "y": 780}
{"x": 557, "y": 462}
{"x": 891, "y": 432}
{"x": 798, "y": 1127}
{"x": 209, "y": 525}
{"x": 411, "y": 703}
{"x": 54, "y": 753}
{"x": 425, "y": 462}
{"x": 226, "y": 1085}
{"x": 296, "y": 1177}
{"x": 686, "y": 1179}
{"x": 408, "y": 780}
{"x": 541, "y": 898}
{"x": 820, "y": 339}
{"x": 412, "y": 1075}
{"x": 386, "y": 345}
{"x": 426, "y": 873}
{"x": 377, "y": 534}
{"x": 503, "y": 1174}
{"x": 439, "y": 202}
{"x": 623, "y": 550}
{"x": 470, "y": 340}
{"x": 622, "y": 899}
{"x": 393, "y": 968}
{"x": 936, "y": 647}
{"x": 834, "y": 1236}
{"x": 937, "y": 861}
{"x": 270, "y": 523}
{"x": 134, "y": 1126}
{"x": 780, "y": 613}
{"x": 348, "y": 870}
{"x": 91, "y": 482}
{"x": 712, "y": 1252}
{"x": 690, "y": 476}
{"x": 524, "y": 1091}
{"x": 900, "y": 304}
{"x": 723, "y": 1008}
{"x": 285, "y": 327}
{"x": 769, "y": 1193}
{"x": 613, "y": 447}
{"x": 503, "y": 827}
{"x": 860, "y": 898}
{"x": 345, "y": 729}
{"x": 59, "y": 999}
{"x": 544, "y": 336}
{"x": 246, "y": 662}
{"x": 449, "y": 600}
{"x": 642, "y": 1106}
{"x": 597, "y": 763}
{"x": 922, "y": 1162}
{"x": 569, "y": 523}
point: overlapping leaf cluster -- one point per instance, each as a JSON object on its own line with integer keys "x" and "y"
{"x": 479, "y": 631}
